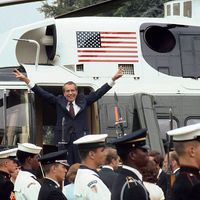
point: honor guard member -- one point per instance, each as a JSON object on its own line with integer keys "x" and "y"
{"x": 187, "y": 145}
{"x": 7, "y": 166}
{"x": 133, "y": 152}
{"x": 26, "y": 185}
{"x": 88, "y": 185}
{"x": 55, "y": 168}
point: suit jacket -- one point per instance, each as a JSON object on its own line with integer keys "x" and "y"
{"x": 163, "y": 183}
{"x": 129, "y": 186}
{"x": 187, "y": 184}
{"x": 78, "y": 124}
{"x": 108, "y": 176}
{"x": 50, "y": 191}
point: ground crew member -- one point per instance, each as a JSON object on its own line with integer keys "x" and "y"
{"x": 88, "y": 185}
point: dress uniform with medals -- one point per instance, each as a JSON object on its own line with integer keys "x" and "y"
{"x": 128, "y": 185}
{"x": 88, "y": 185}
{"x": 26, "y": 185}
{"x": 6, "y": 186}
{"x": 50, "y": 188}
{"x": 187, "y": 183}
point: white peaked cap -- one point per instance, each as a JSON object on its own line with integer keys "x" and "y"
{"x": 8, "y": 153}
{"x": 29, "y": 148}
{"x": 90, "y": 139}
{"x": 186, "y": 133}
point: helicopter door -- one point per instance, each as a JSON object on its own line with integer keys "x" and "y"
{"x": 141, "y": 107}
{"x": 190, "y": 55}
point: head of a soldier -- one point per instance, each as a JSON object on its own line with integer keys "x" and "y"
{"x": 28, "y": 155}
{"x": 187, "y": 144}
{"x": 132, "y": 149}
{"x": 7, "y": 160}
{"x": 70, "y": 91}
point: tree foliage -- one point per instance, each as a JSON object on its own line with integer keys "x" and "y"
{"x": 144, "y": 8}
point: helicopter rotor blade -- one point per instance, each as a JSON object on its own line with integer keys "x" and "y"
{"x": 15, "y": 2}
{"x": 95, "y": 9}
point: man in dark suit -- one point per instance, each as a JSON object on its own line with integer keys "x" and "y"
{"x": 107, "y": 172}
{"x": 71, "y": 110}
{"x": 133, "y": 152}
{"x": 54, "y": 166}
{"x": 187, "y": 145}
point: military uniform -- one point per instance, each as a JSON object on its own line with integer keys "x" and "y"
{"x": 128, "y": 185}
{"x": 26, "y": 186}
{"x": 89, "y": 186}
{"x": 50, "y": 190}
{"x": 187, "y": 184}
{"x": 6, "y": 186}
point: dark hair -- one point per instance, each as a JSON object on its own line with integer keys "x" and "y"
{"x": 22, "y": 156}
{"x": 69, "y": 83}
{"x": 149, "y": 172}
{"x": 110, "y": 155}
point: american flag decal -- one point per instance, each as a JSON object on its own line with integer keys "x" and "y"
{"x": 107, "y": 46}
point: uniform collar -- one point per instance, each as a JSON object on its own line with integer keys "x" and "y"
{"x": 189, "y": 169}
{"x": 53, "y": 181}
{"x": 135, "y": 171}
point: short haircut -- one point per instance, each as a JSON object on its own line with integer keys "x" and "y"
{"x": 84, "y": 152}
{"x": 181, "y": 146}
{"x": 158, "y": 158}
{"x": 69, "y": 83}
{"x": 174, "y": 156}
{"x": 110, "y": 155}
{"x": 22, "y": 156}
{"x": 46, "y": 168}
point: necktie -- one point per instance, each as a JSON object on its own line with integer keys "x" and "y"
{"x": 71, "y": 109}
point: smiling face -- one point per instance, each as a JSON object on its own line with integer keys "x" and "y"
{"x": 70, "y": 91}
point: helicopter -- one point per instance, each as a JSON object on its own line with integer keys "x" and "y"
{"x": 159, "y": 90}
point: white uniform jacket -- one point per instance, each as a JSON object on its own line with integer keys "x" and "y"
{"x": 88, "y": 186}
{"x": 26, "y": 186}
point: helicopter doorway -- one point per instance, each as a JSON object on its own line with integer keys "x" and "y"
{"x": 45, "y": 115}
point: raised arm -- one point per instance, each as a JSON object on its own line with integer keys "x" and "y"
{"x": 21, "y": 76}
{"x": 118, "y": 74}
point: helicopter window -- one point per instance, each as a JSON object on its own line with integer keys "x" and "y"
{"x": 176, "y": 9}
{"x": 79, "y": 68}
{"x": 159, "y": 39}
{"x": 168, "y": 10}
{"x": 187, "y": 11}
{"x": 6, "y": 74}
{"x": 14, "y": 116}
{"x": 192, "y": 120}
{"x": 164, "y": 125}
{"x": 128, "y": 68}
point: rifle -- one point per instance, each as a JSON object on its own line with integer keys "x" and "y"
{"x": 118, "y": 118}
